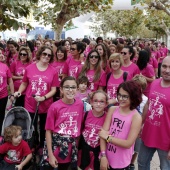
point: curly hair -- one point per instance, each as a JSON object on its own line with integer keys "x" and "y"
{"x": 134, "y": 91}
{"x": 10, "y": 132}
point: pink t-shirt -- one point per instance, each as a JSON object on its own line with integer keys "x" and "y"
{"x": 12, "y": 59}
{"x": 158, "y": 56}
{"x": 72, "y": 67}
{"x": 132, "y": 70}
{"x": 92, "y": 127}
{"x": 59, "y": 66}
{"x": 65, "y": 119}
{"x": 156, "y": 130}
{"x": 153, "y": 62}
{"x": 4, "y": 75}
{"x": 112, "y": 85}
{"x": 18, "y": 69}
{"x": 120, "y": 157}
{"x": 95, "y": 85}
{"x": 82, "y": 96}
{"x": 39, "y": 83}
{"x": 148, "y": 71}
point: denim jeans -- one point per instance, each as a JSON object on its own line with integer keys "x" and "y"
{"x": 145, "y": 157}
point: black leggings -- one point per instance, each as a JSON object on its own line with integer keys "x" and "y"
{"x": 3, "y": 103}
{"x": 42, "y": 121}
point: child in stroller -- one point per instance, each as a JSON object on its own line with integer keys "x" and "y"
{"x": 15, "y": 149}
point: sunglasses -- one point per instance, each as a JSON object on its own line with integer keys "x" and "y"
{"x": 22, "y": 54}
{"x": 94, "y": 56}
{"x": 46, "y": 54}
{"x": 73, "y": 49}
{"x": 124, "y": 53}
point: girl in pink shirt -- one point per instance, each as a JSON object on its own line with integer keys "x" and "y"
{"x": 92, "y": 69}
{"x": 18, "y": 69}
{"x": 121, "y": 128}
{"x": 63, "y": 126}
{"x": 58, "y": 64}
{"x": 93, "y": 121}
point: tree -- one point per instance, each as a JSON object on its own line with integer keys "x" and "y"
{"x": 11, "y": 10}
{"x": 59, "y": 12}
{"x": 159, "y": 5}
{"x": 137, "y": 23}
{"x": 123, "y": 22}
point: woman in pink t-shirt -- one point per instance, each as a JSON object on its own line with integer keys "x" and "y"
{"x": 58, "y": 64}
{"x": 5, "y": 80}
{"x": 89, "y": 141}
{"x": 74, "y": 64}
{"x": 18, "y": 69}
{"x": 121, "y": 128}
{"x": 93, "y": 71}
{"x": 13, "y": 52}
{"x": 67, "y": 44}
{"x": 115, "y": 78}
{"x": 63, "y": 126}
{"x": 146, "y": 69}
{"x": 101, "y": 48}
{"x": 39, "y": 81}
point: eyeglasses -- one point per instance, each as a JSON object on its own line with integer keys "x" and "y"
{"x": 46, "y": 54}
{"x": 124, "y": 53}
{"x": 124, "y": 97}
{"x": 22, "y": 54}
{"x": 73, "y": 49}
{"x": 94, "y": 56}
{"x": 101, "y": 102}
{"x": 67, "y": 88}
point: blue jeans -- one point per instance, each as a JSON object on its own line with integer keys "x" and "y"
{"x": 145, "y": 157}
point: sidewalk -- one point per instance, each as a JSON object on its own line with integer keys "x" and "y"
{"x": 154, "y": 163}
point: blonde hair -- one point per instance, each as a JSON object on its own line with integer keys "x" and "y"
{"x": 141, "y": 80}
{"x": 99, "y": 91}
{"x": 10, "y": 132}
{"x": 116, "y": 56}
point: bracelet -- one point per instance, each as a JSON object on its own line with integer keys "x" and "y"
{"x": 107, "y": 139}
{"x": 45, "y": 98}
{"x": 102, "y": 154}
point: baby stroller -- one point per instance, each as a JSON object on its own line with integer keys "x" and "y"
{"x": 19, "y": 116}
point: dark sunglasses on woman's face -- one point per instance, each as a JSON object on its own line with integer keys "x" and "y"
{"x": 124, "y": 53}
{"x": 46, "y": 54}
{"x": 73, "y": 49}
{"x": 23, "y": 54}
{"x": 94, "y": 56}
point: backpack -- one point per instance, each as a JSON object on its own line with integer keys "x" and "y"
{"x": 125, "y": 74}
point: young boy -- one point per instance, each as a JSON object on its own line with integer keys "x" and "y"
{"x": 14, "y": 149}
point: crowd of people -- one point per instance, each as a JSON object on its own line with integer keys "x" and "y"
{"x": 126, "y": 83}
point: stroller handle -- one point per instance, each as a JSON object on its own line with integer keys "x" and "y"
{"x": 36, "y": 112}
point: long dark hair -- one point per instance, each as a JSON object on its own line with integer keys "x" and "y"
{"x": 143, "y": 59}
